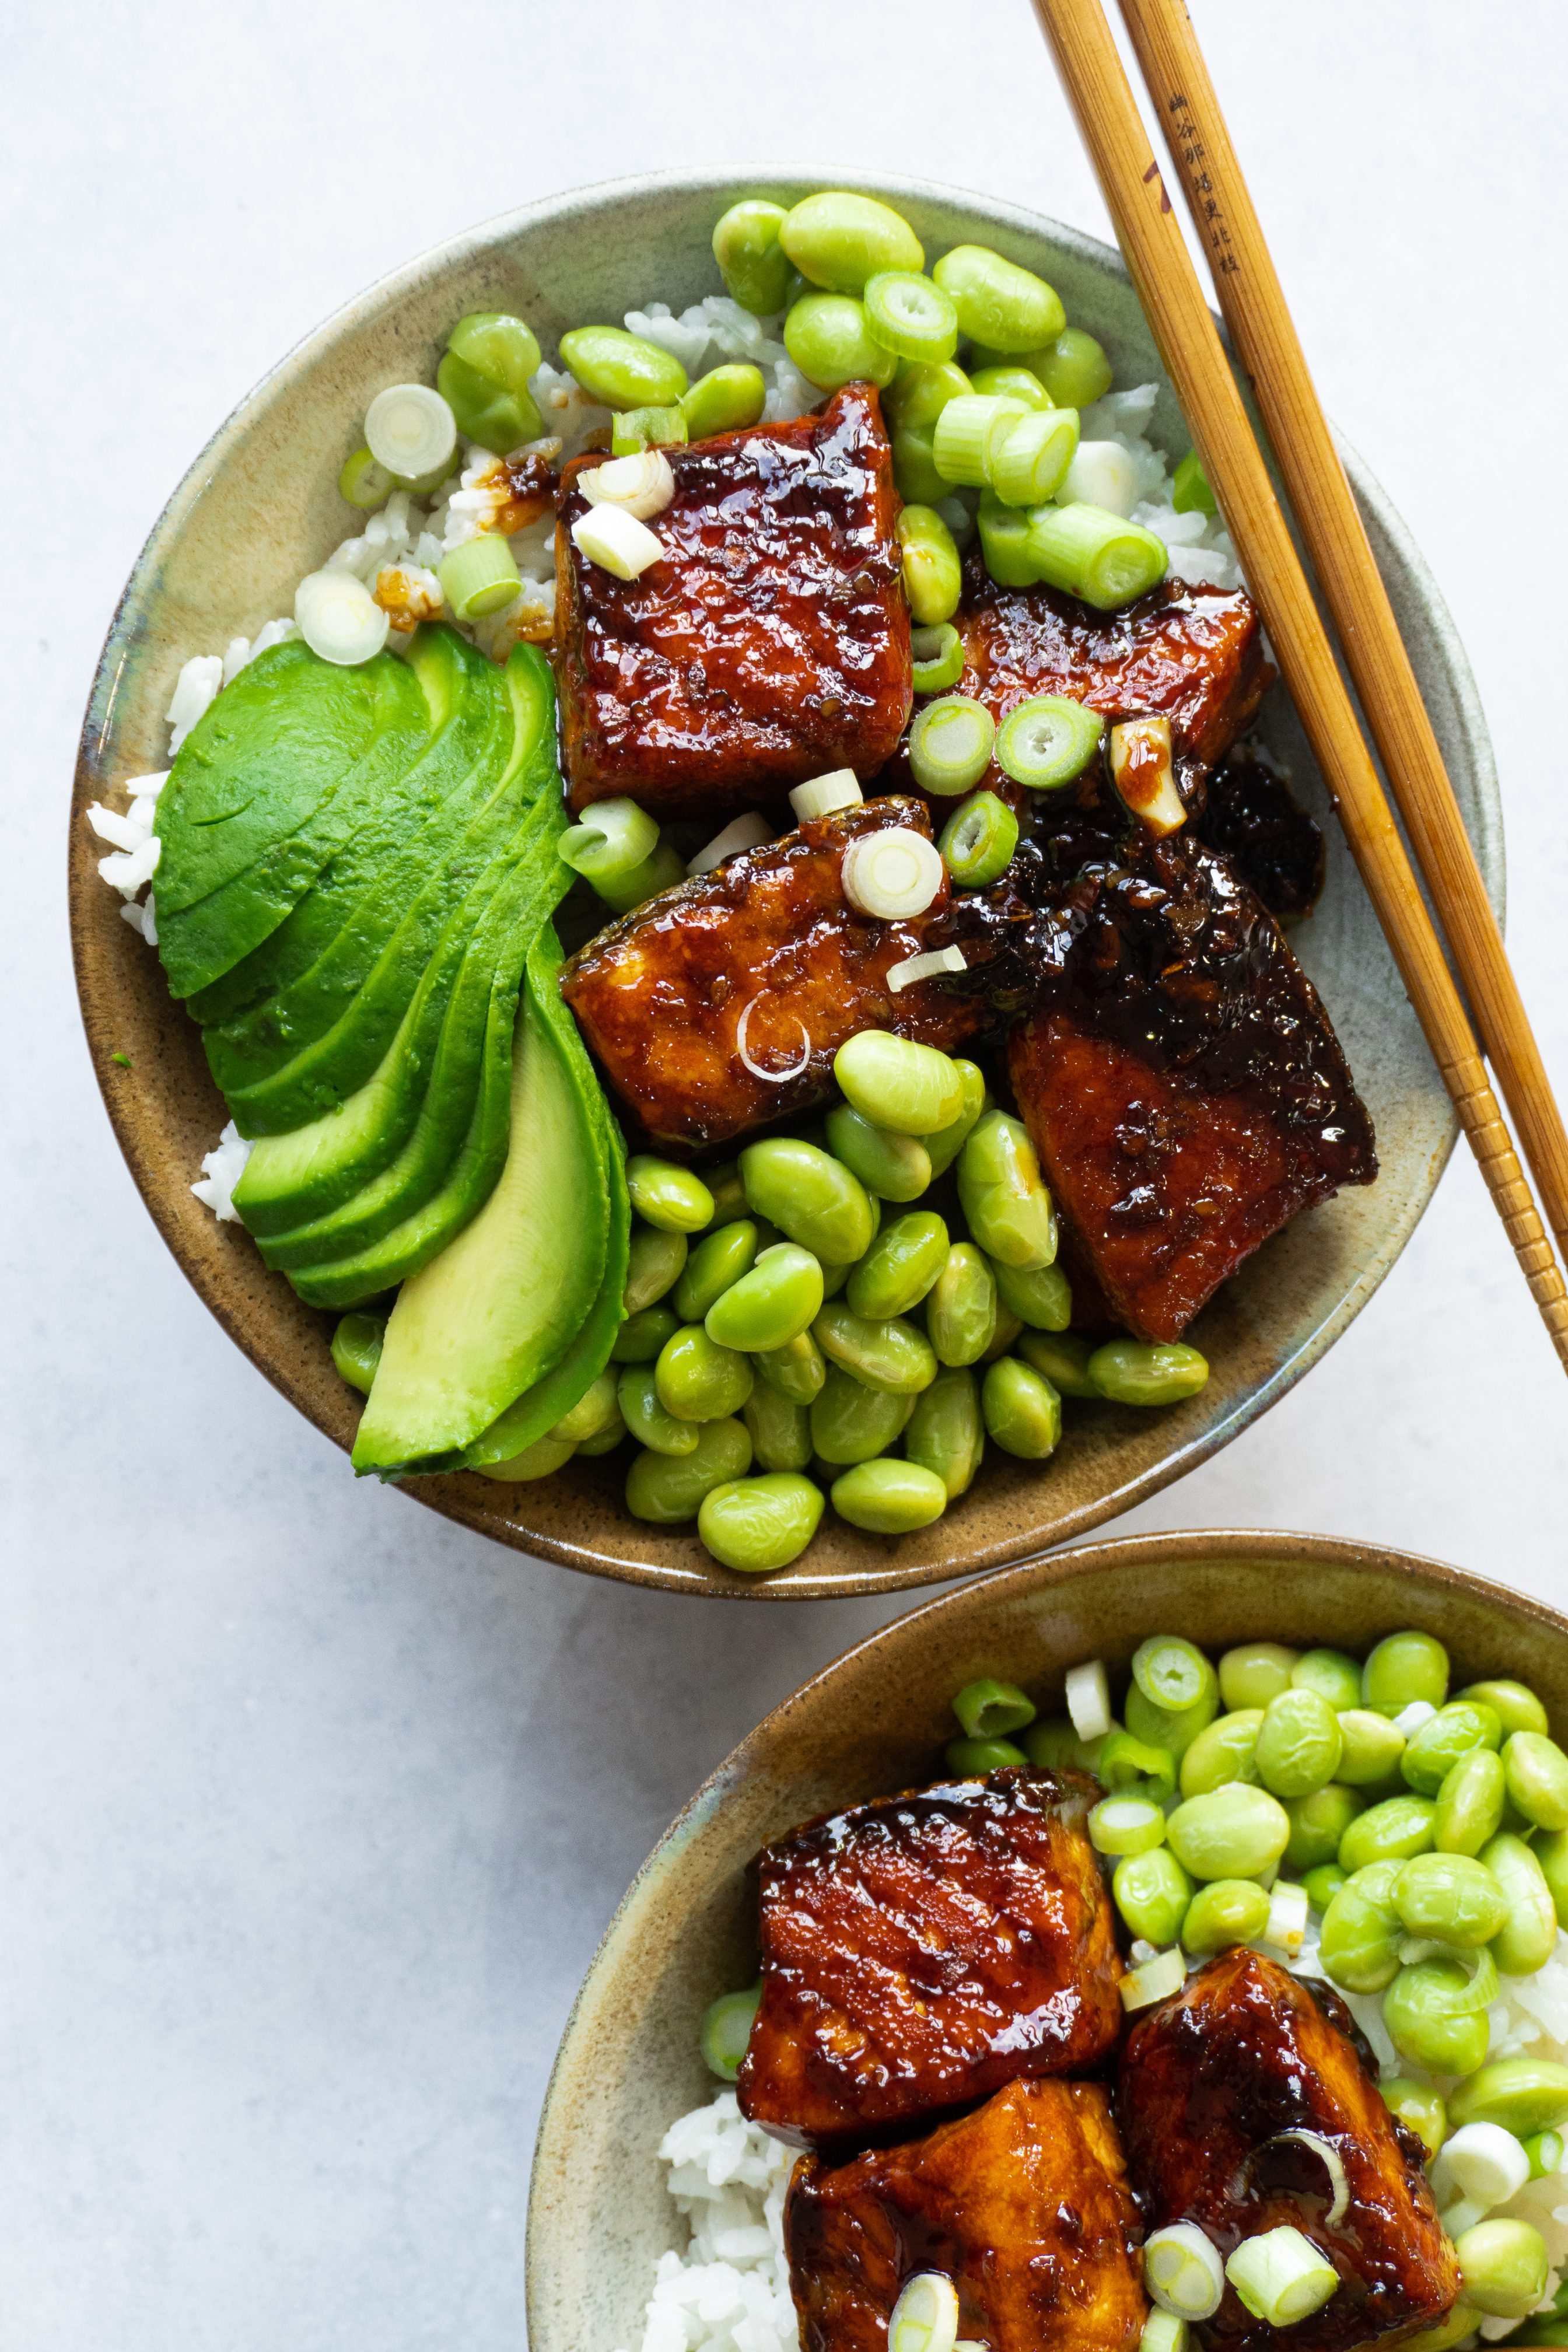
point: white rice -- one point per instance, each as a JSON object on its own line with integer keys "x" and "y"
{"x": 221, "y": 1170}
{"x": 727, "y": 2288}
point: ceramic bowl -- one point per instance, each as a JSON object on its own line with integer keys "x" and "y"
{"x": 876, "y": 1722}
{"x": 259, "y": 508}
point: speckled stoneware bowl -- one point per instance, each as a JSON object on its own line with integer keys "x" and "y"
{"x": 259, "y": 508}
{"x": 876, "y": 1722}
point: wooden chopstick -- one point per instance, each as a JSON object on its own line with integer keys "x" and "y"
{"x": 1167, "y": 286}
{"x": 1270, "y": 351}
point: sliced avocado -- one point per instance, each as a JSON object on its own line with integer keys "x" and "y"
{"x": 499, "y": 1307}
{"x": 206, "y": 937}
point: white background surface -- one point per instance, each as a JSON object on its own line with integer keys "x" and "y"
{"x": 314, "y": 1806}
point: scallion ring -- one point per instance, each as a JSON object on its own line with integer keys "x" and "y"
{"x": 747, "y": 832}
{"x": 616, "y": 541}
{"x": 1048, "y": 741}
{"x": 937, "y": 657}
{"x": 929, "y": 966}
{"x": 1328, "y": 2156}
{"x": 1153, "y": 1980}
{"x": 1030, "y": 461}
{"x": 840, "y": 789}
{"x": 1281, "y": 2276}
{"x": 950, "y": 743}
{"x": 1088, "y": 1700}
{"x": 339, "y": 618}
{"x": 363, "y": 482}
{"x": 612, "y": 837}
{"x": 1182, "y": 2271}
{"x": 925, "y": 2317}
{"x": 967, "y": 432}
{"x": 479, "y": 576}
{"x": 726, "y": 2029}
{"x": 643, "y": 484}
{"x": 410, "y": 430}
{"x": 1095, "y": 554}
{"x": 978, "y": 842}
{"x": 912, "y": 315}
{"x": 894, "y": 874}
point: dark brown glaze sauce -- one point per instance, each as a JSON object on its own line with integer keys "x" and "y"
{"x": 1253, "y": 819}
{"x": 533, "y": 484}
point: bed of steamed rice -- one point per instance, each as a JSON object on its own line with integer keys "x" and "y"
{"x": 726, "y": 2288}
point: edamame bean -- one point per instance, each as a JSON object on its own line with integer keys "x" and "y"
{"x": 1160, "y": 1726}
{"x": 1451, "y": 1898}
{"x": 829, "y": 338}
{"x": 1224, "y": 1751}
{"x": 729, "y": 1193}
{"x": 1143, "y": 1372}
{"x": 1469, "y": 1803}
{"x": 605, "y": 1440}
{"x": 1040, "y": 1297}
{"x": 850, "y": 1423}
{"x": 1371, "y": 1747}
{"x": 1552, "y": 1853}
{"x": 1323, "y": 1882}
{"x": 622, "y": 371}
{"x": 1255, "y": 1671}
{"x": 1439, "y": 1742}
{"x": 1236, "y": 1832}
{"x": 1401, "y": 1668}
{"x": 1362, "y": 1930}
{"x": 1299, "y": 1744}
{"x": 357, "y": 1349}
{"x": 1318, "y": 1822}
{"x": 483, "y": 378}
{"x": 892, "y": 1167}
{"x": 1515, "y": 1705}
{"x": 539, "y": 1460}
{"x": 839, "y": 239}
{"x": 673, "y": 1198}
{"x": 797, "y": 1370}
{"x": 726, "y": 400}
{"x": 1536, "y": 1772}
{"x": 758, "y": 1525}
{"x": 1023, "y": 1413}
{"x": 1056, "y": 1745}
{"x": 754, "y": 266}
{"x": 1391, "y": 1831}
{"x": 780, "y": 1429}
{"x": 1226, "y": 1911}
{"x": 1426, "y": 2022}
{"x": 960, "y": 1306}
{"x": 642, "y": 1335}
{"x": 999, "y": 305}
{"x": 945, "y": 1432}
{"x": 1419, "y": 2109}
{"x": 1332, "y": 1673}
{"x": 634, "y": 430}
{"x": 638, "y": 1397}
{"x": 1528, "y": 1938}
{"x": 888, "y": 1497}
{"x": 1503, "y": 2267}
{"x": 810, "y": 1196}
{"x": 1525, "y": 2096}
{"x": 893, "y": 1355}
{"x": 1074, "y": 370}
{"x": 1461, "y": 2323}
{"x": 595, "y": 1410}
{"x": 971, "y": 1760}
{"x": 1132, "y": 1766}
{"x": 913, "y": 401}
{"x": 1008, "y": 1328}
{"x": 1152, "y": 1891}
{"x": 900, "y": 1267}
{"x": 771, "y": 1305}
{"x": 1015, "y": 382}
{"x": 909, "y": 1088}
{"x": 1063, "y": 1359}
{"x": 933, "y": 576}
{"x": 1004, "y": 1197}
{"x": 654, "y": 1265}
{"x": 698, "y": 1380}
{"x": 667, "y": 1488}
{"x": 943, "y": 1147}
{"x": 715, "y": 1262}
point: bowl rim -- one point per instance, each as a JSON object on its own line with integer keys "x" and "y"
{"x": 456, "y": 1497}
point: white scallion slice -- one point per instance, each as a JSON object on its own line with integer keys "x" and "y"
{"x": 610, "y": 838}
{"x": 1126, "y": 1824}
{"x": 1287, "y": 1912}
{"x": 840, "y": 789}
{"x": 1182, "y": 2272}
{"x": 1164, "y": 2331}
{"x": 1481, "y": 2162}
{"x": 1101, "y": 474}
{"x": 339, "y": 618}
{"x": 615, "y": 540}
{"x": 643, "y": 484}
{"x": 1281, "y": 2276}
{"x": 1463, "y": 2215}
{"x": 1088, "y": 1700}
{"x": 968, "y": 433}
{"x": 748, "y": 832}
{"x": 796, "y": 1069}
{"x": 1156, "y": 1980}
{"x": 925, "y": 967}
{"x": 410, "y": 430}
{"x": 1142, "y": 772}
{"x": 1331, "y": 2160}
{"x": 925, "y": 2317}
{"x": 727, "y": 2028}
{"x": 893, "y": 875}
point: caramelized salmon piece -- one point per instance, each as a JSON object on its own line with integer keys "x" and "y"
{"x": 1023, "y": 2204}
{"x": 925, "y": 1949}
{"x": 770, "y": 643}
{"x": 1210, "y": 2079}
{"x": 768, "y": 938}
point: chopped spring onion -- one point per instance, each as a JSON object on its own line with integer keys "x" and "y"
{"x": 1156, "y": 1980}
{"x": 840, "y": 789}
{"x": 1005, "y": 541}
{"x": 1548, "y": 2153}
{"x": 776, "y": 1078}
{"x": 1126, "y": 1825}
{"x": 612, "y": 837}
{"x": 635, "y": 429}
{"x": 1190, "y": 492}
{"x": 925, "y": 2317}
{"x": 410, "y": 430}
{"x": 1141, "y": 772}
{"x": 925, "y": 967}
{"x": 1463, "y": 2215}
{"x": 1164, "y": 2332}
{"x": 1030, "y": 460}
{"x": 748, "y": 832}
{"x": 479, "y": 576}
{"x": 1088, "y": 1700}
{"x": 1095, "y": 554}
{"x": 893, "y": 875}
{"x": 978, "y": 842}
{"x": 643, "y": 484}
{"x": 968, "y": 433}
{"x": 726, "y": 2029}
{"x": 912, "y": 315}
{"x": 1281, "y": 2276}
{"x": 1481, "y": 2161}
{"x": 363, "y": 482}
{"x": 616, "y": 541}
{"x": 1333, "y": 2162}
{"x": 938, "y": 657}
{"x": 1102, "y": 475}
{"x": 1287, "y": 1909}
{"x": 1048, "y": 741}
{"x": 1182, "y": 2272}
{"x": 339, "y": 618}
{"x": 660, "y": 872}
{"x": 949, "y": 744}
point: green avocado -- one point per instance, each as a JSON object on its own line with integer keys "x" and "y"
{"x": 499, "y": 1307}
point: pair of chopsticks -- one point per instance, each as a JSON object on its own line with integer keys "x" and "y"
{"x": 1265, "y": 341}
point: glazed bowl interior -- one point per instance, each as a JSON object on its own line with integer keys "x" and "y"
{"x": 875, "y": 1722}
{"x": 260, "y": 508}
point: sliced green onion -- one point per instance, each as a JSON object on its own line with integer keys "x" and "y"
{"x": 1030, "y": 461}
{"x": 1171, "y": 1673}
{"x": 1281, "y": 2276}
{"x": 979, "y": 840}
{"x": 1088, "y": 1700}
{"x": 1481, "y": 2161}
{"x": 892, "y": 875}
{"x": 840, "y": 789}
{"x": 1164, "y": 2332}
{"x": 1126, "y": 1825}
{"x": 1094, "y": 554}
{"x": 1006, "y": 543}
{"x": 929, "y": 966}
{"x": 966, "y": 432}
{"x": 633, "y": 429}
{"x": 949, "y": 744}
{"x": 1048, "y": 741}
{"x": 938, "y": 657}
{"x": 642, "y": 483}
{"x": 925, "y": 2317}
{"x": 747, "y": 832}
{"x": 616, "y": 541}
{"x": 479, "y": 576}
{"x": 988, "y": 1709}
{"x": 1181, "y": 2268}
{"x": 410, "y": 430}
{"x": 363, "y": 482}
{"x": 1548, "y": 2153}
{"x": 1190, "y": 492}
{"x": 933, "y": 575}
{"x": 1013, "y": 381}
{"x": 1153, "y": 1980}
{"x": 726, "y": 2029}
{"x": 912, "y": 315}
{"x": 1141, "y": 769}
{"x": 339, "y": 618}
{"x": 608, "y": 841}
{"x": 660, "y": 872}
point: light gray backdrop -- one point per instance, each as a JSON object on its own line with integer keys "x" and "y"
{"x": 314, "y": 1807}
